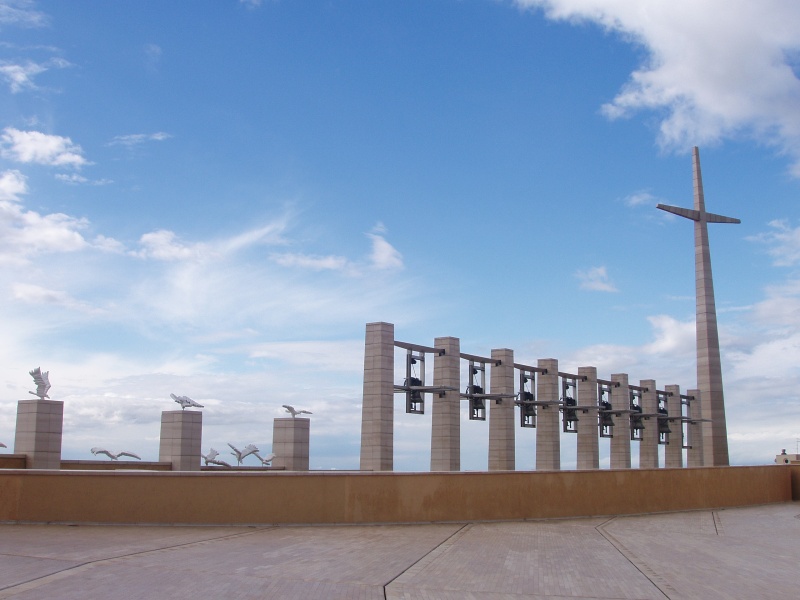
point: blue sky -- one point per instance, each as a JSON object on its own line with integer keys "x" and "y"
{"x": 212, "y": 199}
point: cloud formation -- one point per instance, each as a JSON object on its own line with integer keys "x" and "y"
{"x": 136, "y": 139}
{"x": 783, "y": 242}
{"x": 595, "y": 279}
{"x": 20, "y": 76}
{"x": 716, "y": 69}
{"x": 40, "y": 148}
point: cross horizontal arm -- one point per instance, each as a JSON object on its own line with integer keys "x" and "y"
{"x": 696, "y": 215}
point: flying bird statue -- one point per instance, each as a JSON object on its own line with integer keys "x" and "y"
{"x": 265, "y": 460}
{"x": 42, "y": 381}
{"x": 242, "y": 454}
{"x": 211, "y": 459}
{"x": 113, "y": 456}
{"x": 294, "y": 412}
{"x": 185, "y": 401}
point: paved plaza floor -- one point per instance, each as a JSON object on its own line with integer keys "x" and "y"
{"x": 746, "y": 553}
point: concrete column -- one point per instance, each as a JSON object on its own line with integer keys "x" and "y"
{"x": 621, "y": 442}
{"x": 290, "y": 443}
{"x": 501, "y": 416}
{"x": 38, "y": 433}
{"x": 548, "y": 421}
{"x": 181, "y": 439}
{"x": 648, "y": 446}
{"x": 588, "y": 431}
{"x": 446, "y": 415}
{"x": 377, "y": 409}
{"x": 695, "y": 456}
{"x": 673, "y": 453}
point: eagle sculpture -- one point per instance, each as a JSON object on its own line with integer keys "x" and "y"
{"x": 113, "y": 456}
{"x": 185, "y": 401}
{"x": 42, "y": 381}
{"x": 294, "y": 412}
{"x": 242, "y": 454}
{"x": 211, "y": 459}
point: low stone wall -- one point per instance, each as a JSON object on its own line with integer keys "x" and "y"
{"x": 358, "y": 497}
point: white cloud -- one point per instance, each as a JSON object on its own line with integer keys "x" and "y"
{"x": 35, "y": 294}
{"x": 164, "y": 245}
{"x": 311, "y": 262}
{"x": 639, "y": 198}
{"x": 136, "y": 139}
{"x": 41, "y": 148}
{"x": 595, "y": 279}
{"x": 75, "y": 179}
{"x": 24, "y": 233}
{"x": 19, "y": 12}
{"x": 384, "y": 256}
{"x": 20, "y": 76}
{"x": 718, "y": 69}
{"x": 783, "y": 242}
{"x": 13, "y": 184}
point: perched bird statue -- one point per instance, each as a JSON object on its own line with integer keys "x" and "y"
{"x": 113, "y": 456}
{"x": 42, "y": 381}
{"x": 294, "y": 412}
{"x": 265, "y": 460}
{"x": 185, "y": 401}
{"x": 211, "y": 459}
{"x": 242, "y": 454}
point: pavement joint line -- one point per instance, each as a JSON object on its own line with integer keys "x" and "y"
{"x": 428, "y": 557}
{"x": 17, "y": 588}
{"x": 718, "y": 522}
{"x": 658, "y": 582}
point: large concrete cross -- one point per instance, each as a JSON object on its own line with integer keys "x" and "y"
{"x": 709, "y": 368}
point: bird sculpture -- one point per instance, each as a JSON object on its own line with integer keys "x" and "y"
{"x": 113, "y": 456}
{"x": 211, "y": 459}
{"x": 294, "y": 412}
{"x": 185, "y": 401}
{"x": 265, "y": 460}
{"x": 42, "y": 381}
{"x": 242, "y": 454}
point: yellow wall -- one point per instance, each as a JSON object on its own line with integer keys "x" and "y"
{"x": 354, "y": 497}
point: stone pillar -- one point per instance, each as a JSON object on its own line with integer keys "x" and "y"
{"x": 38, "y": 433}
{"x": 446, "y": 409}
{"x": 588, "y": 431}
{"x": 290, "y": 443}
{"x": 501, "y": 416}
{"x": 648, "y": 446}
{"x": 181, "y": 439}
{"x": 621, "y": 442}
{"x": 673, "y": 453}
{"x": 548, "y": 421}
{"x": 695, "y": 456}
{"x": 377, "y": 409}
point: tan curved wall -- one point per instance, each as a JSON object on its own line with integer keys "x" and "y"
{"x": 358, "y": 497}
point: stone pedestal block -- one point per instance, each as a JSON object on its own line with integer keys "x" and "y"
{"x": 446, "y": 416}
{"x": 38, "y": 434}
{"x": 290, "y": 443}
{"x": 548, "y": 422}
{"x": 501, "y": 415}
{"x": 181, "y": 439}
{"x": 377, "y": 408}
{"x": 588, "y": 429}
{"x": 621, "y": 442}
{"x": 673, "y": 453}
{"x": 648, "y": 446}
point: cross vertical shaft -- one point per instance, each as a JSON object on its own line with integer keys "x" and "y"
{"x": 709, "y": 366}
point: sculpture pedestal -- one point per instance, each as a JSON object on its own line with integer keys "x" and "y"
{"x": 290, "y": 441}
{"x": 38, "y": 434}
{"x": 181, "y": 439}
